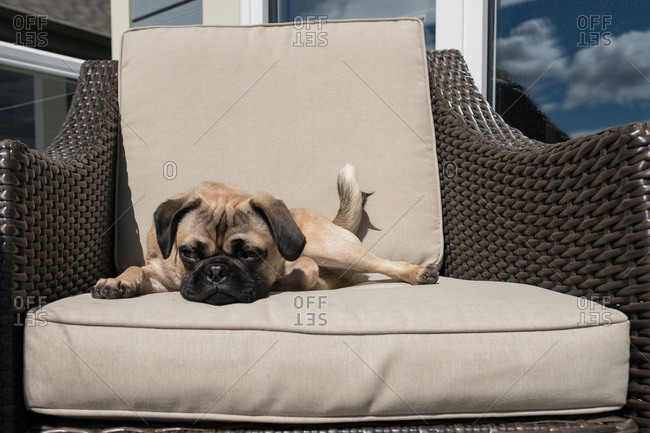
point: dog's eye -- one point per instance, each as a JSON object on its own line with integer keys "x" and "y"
{"x": 189, "y": 254}
{"x": 251, "y": 254}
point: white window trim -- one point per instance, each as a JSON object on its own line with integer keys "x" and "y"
{"x": 253, "y": 12}
{"x": 463, "y": 25}
{"x": 34, "y": 60}
{"x": 120, "y": 22}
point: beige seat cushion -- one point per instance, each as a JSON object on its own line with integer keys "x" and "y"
{"x": 380, "y": 351}
{"x": 260, "y": 108}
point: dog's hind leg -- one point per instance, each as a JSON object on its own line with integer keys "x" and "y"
{"x": 304, "y": 274}
{"x": 358, "y": 259}
{"x": 341, "y": 253}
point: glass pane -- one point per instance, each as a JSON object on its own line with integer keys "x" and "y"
{"x": 33, "y": 106}
{"x": 314, "y": 10}
{"x": 16, "y": 107}
{"x": 166, "y": 12}
{"x": 568, "y": 68}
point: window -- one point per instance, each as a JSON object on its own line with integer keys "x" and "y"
{"x": 166, "y": 12}
{"x": 564, "y": 69}
{"x": 33, "y": 106}
{"x": 309, "y": 10}
{"x": 36, "y": 89}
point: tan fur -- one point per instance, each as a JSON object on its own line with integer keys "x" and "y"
{"x": 332, "y": 257}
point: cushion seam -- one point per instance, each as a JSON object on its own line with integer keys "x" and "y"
{"x": 197, "y": 328}
{"x": 434, "y": 416}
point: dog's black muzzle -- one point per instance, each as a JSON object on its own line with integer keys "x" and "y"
{"x": 222, "y": 280}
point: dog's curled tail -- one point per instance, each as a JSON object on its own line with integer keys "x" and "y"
{"x": 351, "y": 200}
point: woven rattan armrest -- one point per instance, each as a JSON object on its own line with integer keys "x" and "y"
{"x": 573, "y": 217}
{"x": 56, "y": 215}
{"x": 57, "y": 208}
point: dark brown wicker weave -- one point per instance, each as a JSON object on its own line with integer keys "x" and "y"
{"x": 571, "y": 217}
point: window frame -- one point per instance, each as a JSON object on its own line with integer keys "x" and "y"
{"x": 465, "y": 25}
{"x": 39, "y": 61}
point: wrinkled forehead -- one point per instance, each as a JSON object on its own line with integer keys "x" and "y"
{"x": 218, "y": 224}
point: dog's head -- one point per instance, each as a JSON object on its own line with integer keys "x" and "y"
{"x": 226, "y": 246}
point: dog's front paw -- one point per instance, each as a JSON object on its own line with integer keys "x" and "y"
{"x": 114, "y": 288}
{"x": 427, "y": 275}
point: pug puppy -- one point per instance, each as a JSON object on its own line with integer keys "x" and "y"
{"x": 220, "y": 245}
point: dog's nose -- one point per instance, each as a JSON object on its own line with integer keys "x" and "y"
{"x": 217, "y": 272}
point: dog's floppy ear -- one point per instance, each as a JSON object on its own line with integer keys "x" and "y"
{"x": 286, "y": 233}
{"x": 166, "y": 219}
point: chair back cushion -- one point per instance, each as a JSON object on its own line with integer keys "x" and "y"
{"x": 282, "y": 108}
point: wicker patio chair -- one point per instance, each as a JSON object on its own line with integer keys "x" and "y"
{"x": 572, "y": 217}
